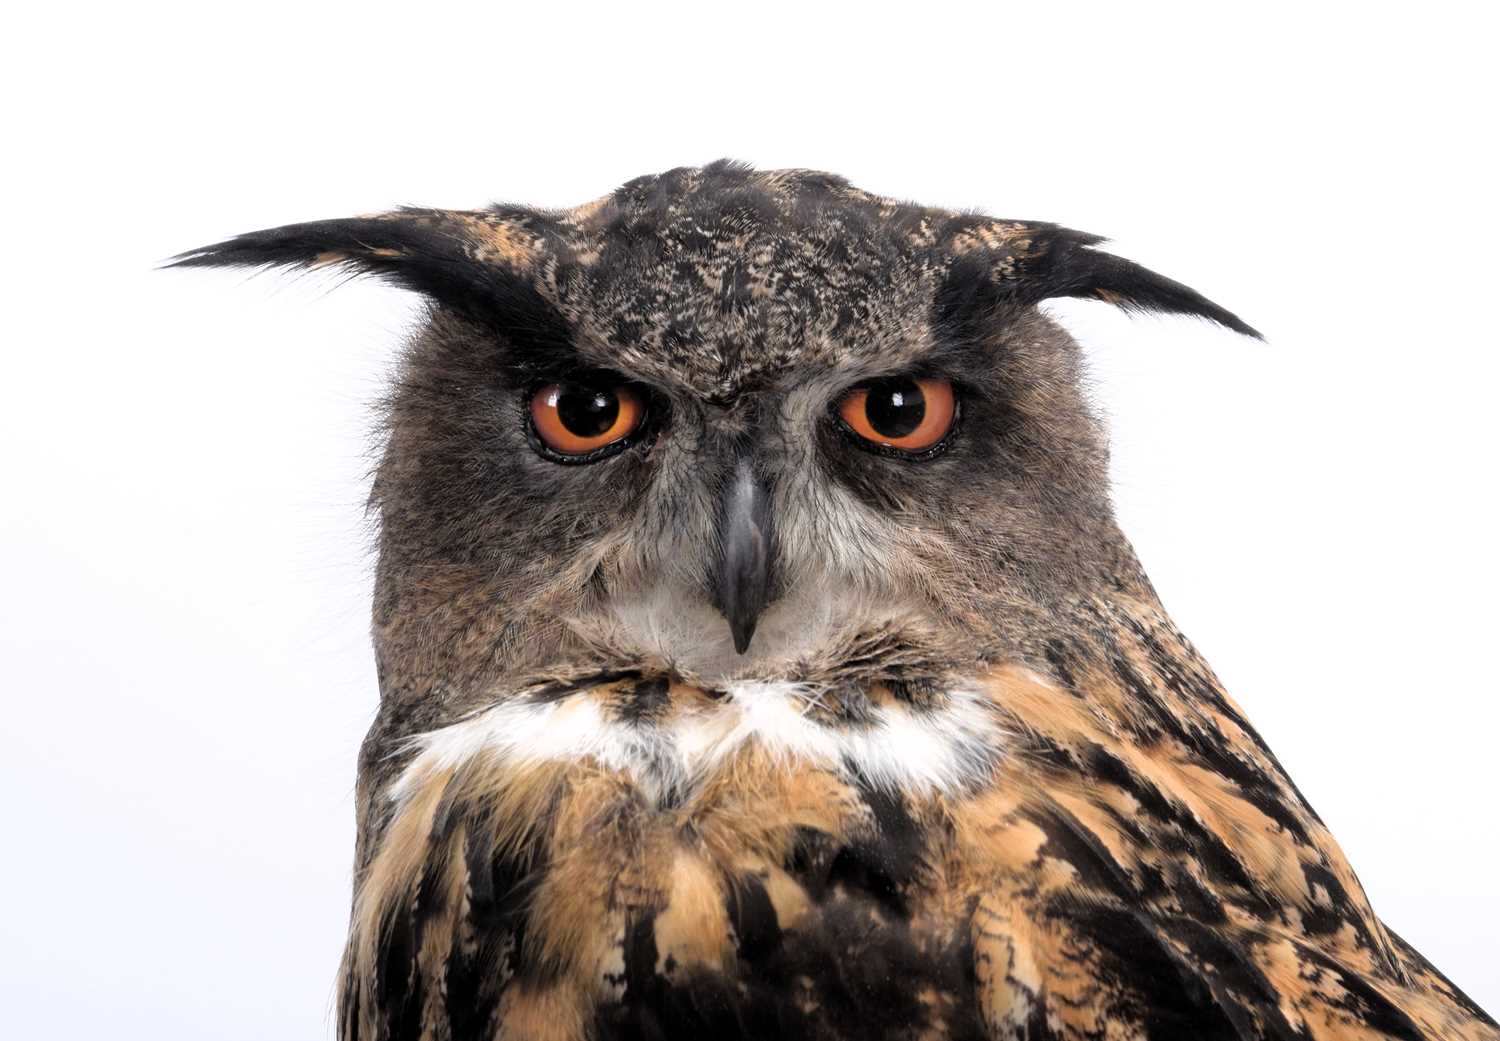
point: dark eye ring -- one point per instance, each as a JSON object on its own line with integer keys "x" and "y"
{"x": 912, "y": 416}
{"x": 584, "y": 422}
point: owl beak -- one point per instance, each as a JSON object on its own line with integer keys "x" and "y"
{"x": 743, "y": 580}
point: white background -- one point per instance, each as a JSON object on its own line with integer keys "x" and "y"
{"x": 186, "y": 673}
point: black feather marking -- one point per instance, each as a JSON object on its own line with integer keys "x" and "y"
{"x": 1366, "y": 1004}
{"x": 645, "y": 701}
{"x": 562, "y": 688}
{"x": 1458, "y": 997}
{"x": 640, "y": 957}
{"x": 838, "y": 974}
{"x": 811, "y": 860}
{"x": 751, "y": 913}
{"x": 349, "y": 1025}
{"x": 1151, "y": 984}
{"x": 477, "y": 971}
{"x": 397, "y": 983}
{"x": 884, "y": 864}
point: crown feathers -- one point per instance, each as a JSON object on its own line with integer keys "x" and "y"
{"x": 483, "y": 262}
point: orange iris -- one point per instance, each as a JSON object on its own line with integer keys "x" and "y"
{"x": 575, "y": 419}
{"x": 908, "y": 413}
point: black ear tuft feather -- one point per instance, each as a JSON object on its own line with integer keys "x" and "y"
{"x": 478, "y": 263}
{"x": 1062, "y": 262}
{"x": 422, "y": 250}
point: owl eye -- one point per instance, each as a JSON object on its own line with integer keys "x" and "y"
{"x": 577, "y": 422}
{"x": 909, "y": 414}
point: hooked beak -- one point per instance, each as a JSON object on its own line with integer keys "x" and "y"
{"x": 743, "y": 579}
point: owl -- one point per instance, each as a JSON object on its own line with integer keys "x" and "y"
{"x": 759, "y": 656}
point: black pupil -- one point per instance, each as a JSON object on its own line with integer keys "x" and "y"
{"x": 895, "y": 407}
{"x": 586, "y": 412}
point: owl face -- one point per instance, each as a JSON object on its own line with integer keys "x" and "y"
{"x": 856, "y": 486}
{"x": 728, "y": 425}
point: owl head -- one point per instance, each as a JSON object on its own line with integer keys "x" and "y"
{"x": 729, "y": 424}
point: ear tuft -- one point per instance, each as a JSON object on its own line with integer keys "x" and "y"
{"x": 1032, "y": 262}
{"x": 477, "y": 262}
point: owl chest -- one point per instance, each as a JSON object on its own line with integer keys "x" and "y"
{"x": 830, "y": 944}
{"x": 571, "y": 903}
{"x": 759, "y": 918}
{"x": 740, "y": 870}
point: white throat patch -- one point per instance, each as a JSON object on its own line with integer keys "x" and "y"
{"x": 945, "y": 748}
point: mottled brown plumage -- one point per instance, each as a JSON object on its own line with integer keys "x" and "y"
{"x": 953, "y": 774}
